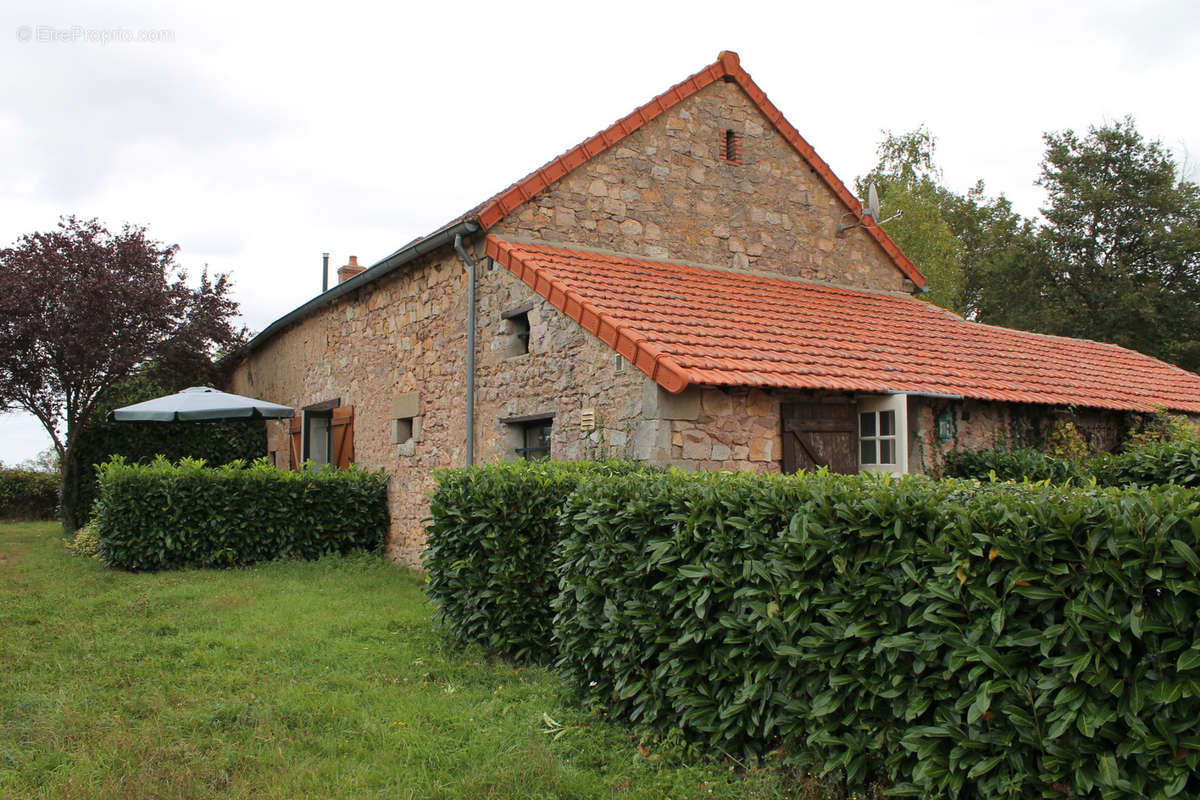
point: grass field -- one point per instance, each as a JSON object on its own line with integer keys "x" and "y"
{"x": 321, "y": 679}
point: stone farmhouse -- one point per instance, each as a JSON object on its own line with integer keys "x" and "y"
{"x": 691, "y": 286}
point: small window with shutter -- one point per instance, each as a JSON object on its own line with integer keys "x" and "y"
{"x": 323, "y": 434}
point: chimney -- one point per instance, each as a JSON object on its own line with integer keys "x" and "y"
{"x": 350, "y": 270}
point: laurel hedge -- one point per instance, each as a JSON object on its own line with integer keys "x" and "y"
{"x": 1150, "y": 464}
{"x": 1023, "y": 464}
{"x": 944, "y": 638}
{"x": 165, "y": 516}
{"x": 490, "y": 542}
{"x": 28, "y": 494}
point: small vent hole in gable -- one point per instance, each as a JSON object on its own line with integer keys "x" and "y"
{"x": 731, "y": 146}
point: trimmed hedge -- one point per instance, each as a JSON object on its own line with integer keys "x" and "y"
{"x": 945, "y": 638}
{"x": 166, "y": 516}
{"x": 948, "y": 638}
{"x": 1024, "y": 464}
{"x": 217, "y": 442}
{"x": 1150, "y": 464}
{"x": 490, "y": 541}
{"x": 26, "y": 494}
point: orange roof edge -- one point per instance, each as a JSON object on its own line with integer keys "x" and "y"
{"x": 684, "y": 324}
{"x": 727, "y": 66}
{"x": 661, "y": 369}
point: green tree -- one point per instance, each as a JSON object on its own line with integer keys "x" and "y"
{"x": 1002, "y": 282}
{"x": 1116, "y": 259}
{"x": 909, "y": 184}
{"x": 1121, "y": 242}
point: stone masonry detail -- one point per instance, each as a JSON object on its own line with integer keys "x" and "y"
{"x": 665, "y": 193}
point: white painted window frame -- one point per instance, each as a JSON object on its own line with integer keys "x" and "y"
{"x": 873, "y": 404}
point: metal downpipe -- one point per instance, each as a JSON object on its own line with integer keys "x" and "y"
{"x": 470, "y": 262}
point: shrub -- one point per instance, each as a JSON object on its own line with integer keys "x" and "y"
{"x": 1011, "y": 465}
{"x": 958, "y": 639}
{"x": 163, "y": 516}
{"x": 85, "y": 543}
{"x": 1065, "y": 441}
{"x": 217, "y": 442}
{"x": 25, "y": 494}
{"x": 490, "y": 541}
{"x": 1162, "y": 426}
{"x": 1150, "y": 462}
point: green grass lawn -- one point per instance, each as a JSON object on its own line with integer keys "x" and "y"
{"x": 289, "y": 680}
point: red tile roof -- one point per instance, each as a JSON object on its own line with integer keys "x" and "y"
{"x": 683, "y": 325}
{"x": 727, "y": 67}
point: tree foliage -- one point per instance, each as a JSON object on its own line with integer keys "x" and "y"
{"x": 1122, "y": 239}
{"x": 1115, "y": 258}
{"x": 83, "y": 308}
{"x": 909, "y": 183}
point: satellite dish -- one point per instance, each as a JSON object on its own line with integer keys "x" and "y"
{"x": 870, "y": 210}
{"x": 872, "y": 202}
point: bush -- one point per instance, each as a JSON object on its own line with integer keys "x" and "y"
{"x": 217, "y": 442}
{"x": 1148, "y": 463}
{"x": 490, "y": 541}
{"x": 956, "y": 639}
{"x": 1151, "y": 464}
{"x": 25, "y": 494}
{"x": 85, "y": 543}
{"x": 1011, "y": 465}
{"x": 163, "y": 516}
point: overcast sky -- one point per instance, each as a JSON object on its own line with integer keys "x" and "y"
{"x": 256, "y": 136}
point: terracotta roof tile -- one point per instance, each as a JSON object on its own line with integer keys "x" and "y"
{"x": 684, "y": 325}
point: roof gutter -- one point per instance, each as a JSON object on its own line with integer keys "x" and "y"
{"x": 395, "y": 261}
{"x": 932, "y": 395}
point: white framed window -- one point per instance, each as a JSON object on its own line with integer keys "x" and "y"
{"x": 883, "y": 433}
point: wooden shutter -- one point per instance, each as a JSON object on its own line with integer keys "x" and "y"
{"x": 820, "y": 435}
{"x": 295, "y": 442}
{"x": 342, "y": 432}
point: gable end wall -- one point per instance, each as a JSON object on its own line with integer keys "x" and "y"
{"x": 664, "y": 192}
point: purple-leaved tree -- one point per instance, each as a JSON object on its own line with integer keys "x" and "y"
{"x": 81, "y": 308}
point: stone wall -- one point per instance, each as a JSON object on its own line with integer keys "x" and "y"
{"x": 565, "y": 371}
{"x": 984, "y": 425}
{"x": 405, "y": 334}
{"x": 664, "y": 192}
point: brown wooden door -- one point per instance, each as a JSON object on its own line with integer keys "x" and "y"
{"x": 820, "y": 435}
{"x": 342, "y": 430}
